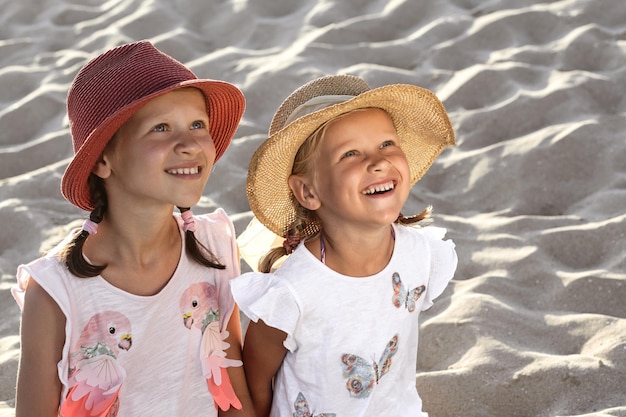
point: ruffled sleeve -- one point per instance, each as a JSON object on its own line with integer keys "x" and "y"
{"x": 262, "y": 296}
{"x": 46, "y": 271}
{"x": 40, "y": 270}
{"x": 443, "y": 263}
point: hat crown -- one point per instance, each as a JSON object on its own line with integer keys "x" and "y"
{"x": 116, "y": 79}
{"x": 338, "y": 85}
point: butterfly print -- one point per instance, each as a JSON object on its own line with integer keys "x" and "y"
{"x": 403, "y": 297}
{"x": 364, "y": 375}
{"x": 302, "y": 408}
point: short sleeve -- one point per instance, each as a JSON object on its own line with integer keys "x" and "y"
{"x": 19, "y": 290}
{"x": 216, "y": 231}
{"x": 262, "y": 296}
{"x": 41, "y": 269}
{"x": 443, "y": 263}
{"x": 44, "y": 271}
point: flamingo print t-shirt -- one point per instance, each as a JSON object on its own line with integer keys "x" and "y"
{"x": 351, "y": 342}
{"x": 131, "y": 355}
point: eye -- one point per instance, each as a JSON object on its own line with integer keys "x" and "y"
{"x": 162, "y": 127}
{"x": 198, "y": 124}
{"x": 387, "y": 143}
{"x": 348, "y": 154}
{"x": 112, "y": 330}
{"x": 194, "y": 303}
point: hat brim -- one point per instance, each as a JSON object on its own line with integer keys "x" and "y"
{"x": 225, "y": 107}
{"x": 420, "y": 120}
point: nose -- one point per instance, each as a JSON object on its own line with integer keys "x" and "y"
{"x": 378, "y": 163}
{"x": 187, "y": 143}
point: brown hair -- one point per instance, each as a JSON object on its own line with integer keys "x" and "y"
{"x": 301, "y": 226}
{"x": 72, "y": 253}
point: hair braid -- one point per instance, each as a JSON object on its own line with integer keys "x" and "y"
{"x": 299, "y": 228}
{"x": 423, "y": 219}
{"x": 197, "y": 251}
{"x": 72, "y": 253}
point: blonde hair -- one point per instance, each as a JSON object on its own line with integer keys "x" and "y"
{"x": 306, "y": 219}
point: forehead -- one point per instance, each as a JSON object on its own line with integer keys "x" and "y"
{"x": 189, "y": 98}
{"x": 357, "y": 122}
{"x": 180, "y": 96}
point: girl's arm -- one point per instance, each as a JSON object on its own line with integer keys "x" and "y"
{"x": 263, "y": 353}
{"x": 42, "y": 338}
{"x": 236, "y": 373}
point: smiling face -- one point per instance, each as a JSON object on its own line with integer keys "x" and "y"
{"x": 360, "y": 176}
{"x": 162, "y": 154}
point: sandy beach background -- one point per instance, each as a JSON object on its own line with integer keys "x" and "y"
{"x": 534, "y": 195}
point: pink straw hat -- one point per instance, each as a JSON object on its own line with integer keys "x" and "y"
{"x": 113, "y": 86}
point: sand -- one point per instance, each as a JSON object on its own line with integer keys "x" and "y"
{"x": 534, "y": 195}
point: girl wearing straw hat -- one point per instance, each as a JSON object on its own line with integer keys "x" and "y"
{"x": 334, "y": 329}
{"x": 133, "y": 315}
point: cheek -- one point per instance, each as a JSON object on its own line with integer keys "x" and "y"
{"x": 402, "y": 164}
{"x": 209, "y": 149}
{"x": 324, "y": 179}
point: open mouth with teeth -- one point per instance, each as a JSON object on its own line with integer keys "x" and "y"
{"x": 184, "y": 171}
{"x": 379, "y": 189}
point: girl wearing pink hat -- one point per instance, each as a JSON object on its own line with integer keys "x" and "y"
{"x": 133, "y": 314}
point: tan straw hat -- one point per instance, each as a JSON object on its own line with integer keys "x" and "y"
{"x": 419, "y": 117}
{"x": 113, "y": 86}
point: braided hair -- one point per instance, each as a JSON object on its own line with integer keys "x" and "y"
{"x": 72, "y": 253}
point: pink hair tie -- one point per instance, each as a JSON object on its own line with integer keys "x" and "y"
{"x": 290, "y": 243}
{"x": 90, "y": 226}
{"x": 189, "y": 224}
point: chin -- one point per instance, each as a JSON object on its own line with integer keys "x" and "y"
{"x": 187, "y": 202}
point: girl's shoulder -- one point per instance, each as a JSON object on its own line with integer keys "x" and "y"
{"x": 218, "y": 216}
{"x": 216, "y": 223}
{"x": 49, "y": 271}
{"x": 431, "y": 236}
{"x": 431, "y": 239}
{"x": 442, "y": 259}
{"x": 426, "y": 232}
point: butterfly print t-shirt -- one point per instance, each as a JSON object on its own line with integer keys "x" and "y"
{"x": 352, "y": 342}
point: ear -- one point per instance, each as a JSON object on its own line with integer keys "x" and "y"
{"x": 102, "y": 168}
{"x": 304, "y": 192}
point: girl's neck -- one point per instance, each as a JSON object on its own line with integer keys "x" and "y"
{"x": 141, "y": 254}
{"x": 359, "y": 255}
{"x": 139, "y": 228}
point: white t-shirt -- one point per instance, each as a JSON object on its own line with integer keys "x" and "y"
{"x": 151, "y": 342}
{"x": 352, "y": 342}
